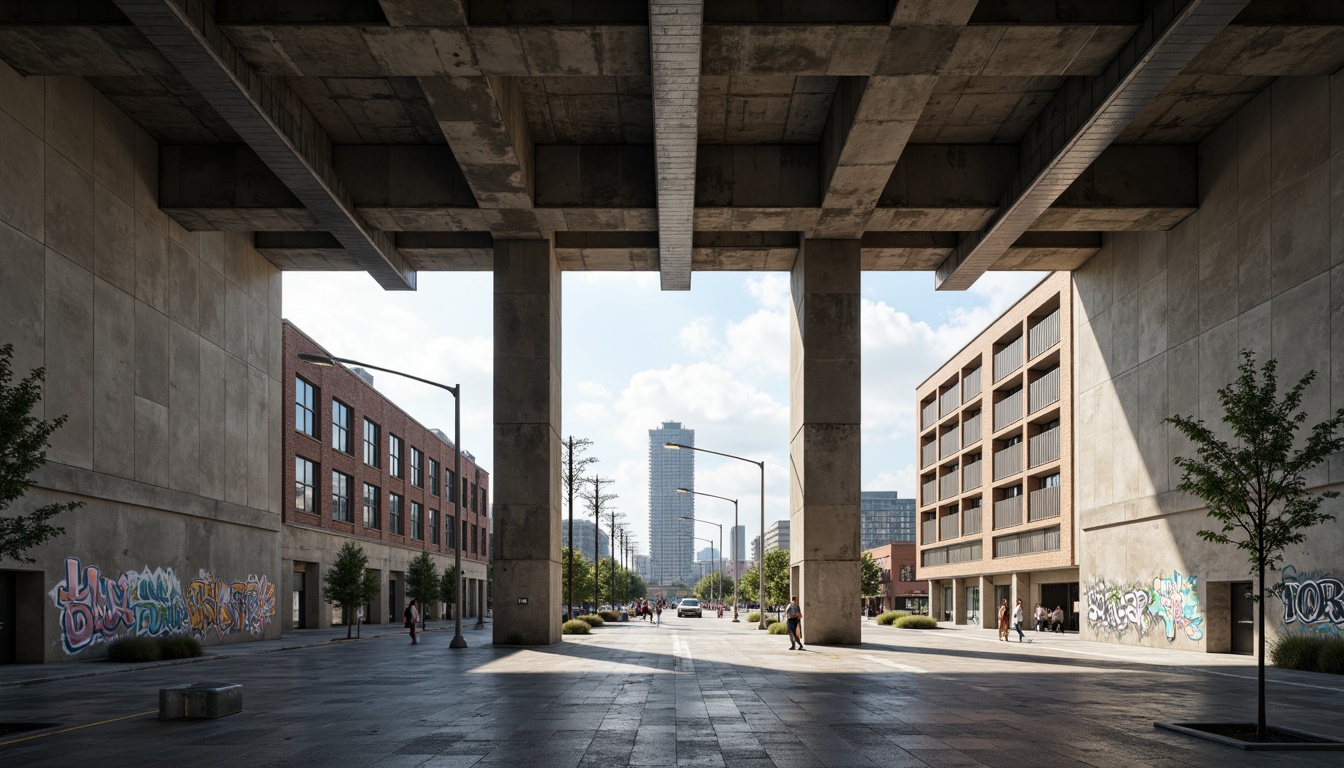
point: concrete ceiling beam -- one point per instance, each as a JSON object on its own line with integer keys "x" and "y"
{"x": 1081, "y": 121}
{"x": 675, "y": 32}
{"x": 292, "y": 146}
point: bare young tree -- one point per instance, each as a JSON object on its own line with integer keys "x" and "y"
{"x": 572, "y": 469}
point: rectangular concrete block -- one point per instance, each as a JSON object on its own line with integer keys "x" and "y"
{"x": 151, "y": 264}
{"x": 113, "y": 239}
{"x": 69, "y": 119}
{"x": 182, "y": 304}
{"x": 1301, "y": 128}
{"x": 151, "y": 354}
{"x": 1218, "y": 199}
{"x": 1254, "y": 283}
{"x": 22, "y": 293}
{"x": 213, "y": 412}
{"x": 113, "y": 149}
{"x": 212, "y": 297}
{"x": 1300, "y": 229}
{"x": 259, "y": 426}
{"x": 151, "y": 442}
{"x": 184, "y": 409}
{"x": 113, "y": 380}
{"x": 69, "y": 359}
{"x": 24, "y": 100}
{"x": 69, "y": 209}
{"x": 1253, "y": 152}
{"x": 1152, "y": 318}
{"x": 200, "y": 701}
{"x": 1218, "y": 278}
{"x": 21, "y": 166}
{"x": 235, "y": 430}
{"x": 1183, "y": 297}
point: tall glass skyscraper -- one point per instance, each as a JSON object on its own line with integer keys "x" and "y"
{"x": 884, "y": 518}
{"x": 670, "y": 544}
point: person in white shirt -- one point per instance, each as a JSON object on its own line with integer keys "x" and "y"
{"x": 1017, "y": 620}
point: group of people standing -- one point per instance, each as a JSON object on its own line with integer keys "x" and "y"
{"x": 1045, "y": 620}
{"x": 650, "y": 611}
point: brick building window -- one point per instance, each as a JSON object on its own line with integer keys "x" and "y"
{"x": 305, "y": 486}
{"x": 340, "y": 496}
{"x": 417, "y": 467}
{"x": 371, "y": 511}
{"x": 370, "y": 443}
{"x": 395, "y": 448}
{"x": 448, "y": 526}
{"x": 305, "y": 407}
{"x": 474, "y": 497}
{"x": 484, "y": 548}
{"x": 474, "y": 548}
{"x": 452, "y": 487}
{"x": 417, "y": 521}
{"x": 434, "y": 477}
{"x": 433, "y": 526}
{"x": 394, "y": 505}
{"x": 341, "y": 417}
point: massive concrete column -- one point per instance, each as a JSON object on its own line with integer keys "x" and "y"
{"x": 824, "y": 439}
{"x": 527, "y": 443}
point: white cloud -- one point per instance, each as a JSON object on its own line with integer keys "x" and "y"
{"x": 698, "y": 337}
{"x": 594, "y": 390}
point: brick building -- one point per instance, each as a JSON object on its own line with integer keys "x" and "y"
{"x": 995, "y": 499}
{"x": 900, "y": 590}
{"x": 362, "y": 470}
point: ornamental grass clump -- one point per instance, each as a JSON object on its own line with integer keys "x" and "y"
{"x": 592, "y": 619}
{"x": 575, "y": 627}
{"x": 778, "y": 628}
{"x": 1331, "y": 658}
{"x": 179, "y": 647}
{"x": 915, "y": 622}
{"x": 132, "y": 650}
{"x": 1309, "y": 653}
{"x": 770, "y": 621}
{"x": 610, "y": 615}
{"x": 887, "y": 617}
{"x": 754, "y": 616}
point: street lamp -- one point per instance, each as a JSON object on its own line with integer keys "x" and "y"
{"x": 736, "y": 543}
{"x": 710, "y": 542}
{"x": 720, "y": 527}
{"x": 327, "y": 361}
{"x": 761, "y": 464}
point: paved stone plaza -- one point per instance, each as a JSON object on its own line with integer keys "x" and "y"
{"x": 692, "y": 692}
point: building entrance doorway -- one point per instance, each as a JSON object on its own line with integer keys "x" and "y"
{"x": 973, "y": 606}
{"x": 1243, "y": 618}
{"x": 1001, "y": 593}
{"x": 1062, "y": 596}
{"x": 9, "y": 627}
{"x": 300, "y": 612}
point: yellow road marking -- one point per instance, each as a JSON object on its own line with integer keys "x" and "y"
{"x": 77, "y": 727}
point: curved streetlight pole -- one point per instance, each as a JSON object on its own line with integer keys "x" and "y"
{"x": 456, "y": 390}
{"x": 761, "y": 567}
{"x": 711, "y": 544}
{"x": 736, "y": 543}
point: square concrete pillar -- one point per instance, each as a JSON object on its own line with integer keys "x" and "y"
{"x": 824, "y": 439}
{"x": 527, "y": 443}
{"x": 958, "y": 606}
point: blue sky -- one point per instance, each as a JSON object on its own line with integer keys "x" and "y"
{"x": 715, "y": 358}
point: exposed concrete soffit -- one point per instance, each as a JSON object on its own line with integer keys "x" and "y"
{"x": 292, "y": 146}
{"x": 872, "y": 118}
{"x": 675, "y": 32}
{"x": 1082, "y": 120}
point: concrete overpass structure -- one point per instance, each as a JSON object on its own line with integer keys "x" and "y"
{"x": 532, "y": 137}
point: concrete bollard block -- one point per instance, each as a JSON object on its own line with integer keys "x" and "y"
{"x": 200, "y": 700}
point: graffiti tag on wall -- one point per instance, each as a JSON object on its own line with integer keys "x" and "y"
{"x": 1313, "y": 602}
{"x": 96, "y": 608}
{"x": 1124, "y": 609}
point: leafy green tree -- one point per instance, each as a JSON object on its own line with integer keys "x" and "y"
{"x": 23, "y": 450}
{"x": 581, "y": 577}
{"x": 777, "y": 577}
{"x": 870, "y": 579}
{"x": 713, "y": 587}
{"x": 448, "y": 589}
{"x": 349, "y": 583}
{"x": 637, "y": 587}
{"x": 1255, "y": 484}
{"x": 749, "y": 586}
{"x": 422, "y": 584}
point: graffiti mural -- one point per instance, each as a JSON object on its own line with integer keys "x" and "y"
{"x": 95, "y": 608}
{"x": 1312, "y": 602}
{"x": 1121, "y": 610}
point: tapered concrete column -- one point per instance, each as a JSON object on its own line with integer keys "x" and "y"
{"x": 824, "y": 440}
{"x": 958, "y": 601}
{"x": 526, "y": 482}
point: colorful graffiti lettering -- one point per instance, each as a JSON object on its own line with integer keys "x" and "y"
{"x": 95, "y": 608}
{"x": 1122, "y": 609}
{"x": 228, "y": 607}
{"x": 1118, "y": 610}
{"x": 1313, "y": 601}
{"x": 1176, "y": 603}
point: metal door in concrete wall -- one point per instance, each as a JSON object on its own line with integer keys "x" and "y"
{"x": 300, "y": 617}
{"x": 1243, "y": 618}
{"x": 9, "y": 626}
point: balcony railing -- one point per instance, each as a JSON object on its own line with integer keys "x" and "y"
{"x": 928, "y": 415}
{"x": 928, "y": 531}
{"x": 972, "y": 475}
{"x": 949, "y": 485}
{"x": 948, "y": 527}
{"x": 1043, "y": 447}
{"x": 1043, "y": 335}
{"x": 1008, "y": 410}
{"x": 949, "y": 444}
{"x": 1008, "y": 359}
{"x": 928, "y": 453}
{"x": 949, "y": 400}
{"x": 970, "y": 386}
{"x": 927, "y": 492}
{"x": 1007, "y": 461}
{"x": 1044, "y": 391}
{"x": 970, "y": 429}
{"x": 1044, "y": 504}
{"x": 970, "y": 522}
{"x": 1008, "y": 512}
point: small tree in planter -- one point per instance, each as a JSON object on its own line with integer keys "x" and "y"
{"x": 349, "y": 583}
{"x": 1255, "y": 485}
{"x": 448, "y": 591}
{"x": 422, "y": 584}
{"x": 870, "y": 576}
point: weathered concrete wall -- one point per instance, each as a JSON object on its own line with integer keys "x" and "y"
{"x": 163, "y": 349}
{"x": 1160, "y": 320}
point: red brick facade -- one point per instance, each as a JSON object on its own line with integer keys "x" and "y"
{"x": 895, "y": 560}
{"x": 365, "y": 402}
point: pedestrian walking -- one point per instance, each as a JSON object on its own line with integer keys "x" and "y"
{"x": 1003, "y": 621}
{"x": 1040, "y": 616}
{"x": 1057, "y": 619}
{"x": 1018, "y": 618}
{"x": 411, "y": 619}
{"x": 794, "y": 616}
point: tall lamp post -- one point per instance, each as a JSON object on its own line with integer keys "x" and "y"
{"x": 720, "y": 527}
{"x": 710, "y": 542}
{"x": 761, "y": 464}
{"x": 736, "y": 543}
{"x": 328, "y": 361}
